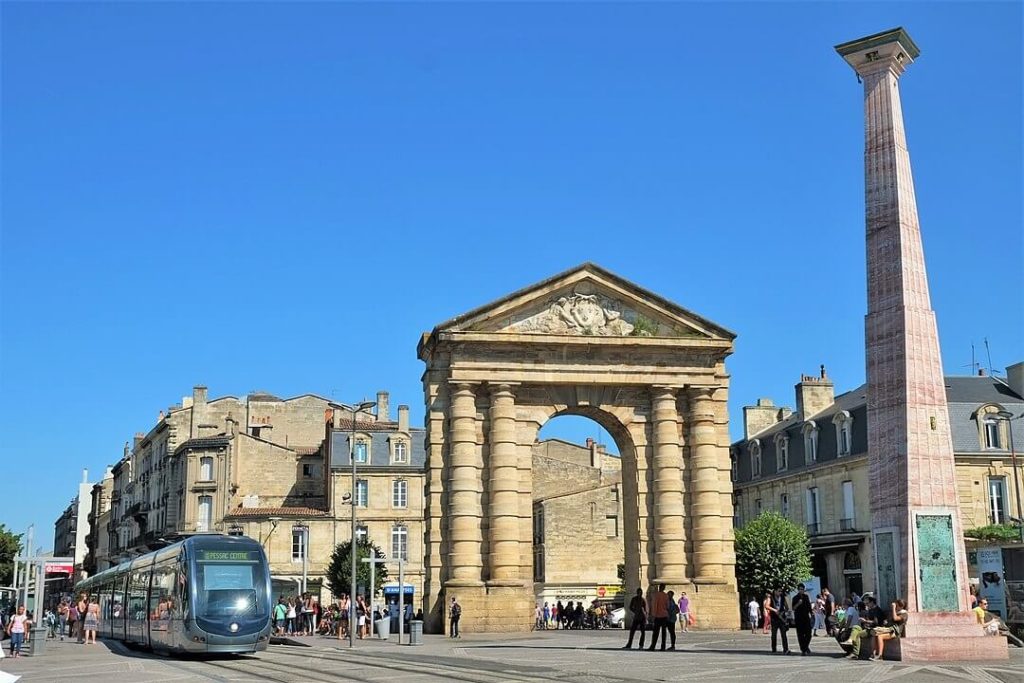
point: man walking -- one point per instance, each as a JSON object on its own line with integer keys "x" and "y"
{"x": 659, "y": 610}
{"x": 778, "y": 608}
{"x": 684, "y": 612}
{"x": 454, "y": 614}
{"x": 673, "y": 614}
{"x": 803, "y": 614}
{"x": 638, "y": 608}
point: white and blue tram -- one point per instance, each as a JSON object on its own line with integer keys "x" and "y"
{"x": 208, "y": 593}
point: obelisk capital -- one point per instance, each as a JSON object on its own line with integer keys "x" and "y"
{"x": 892, "y": 49}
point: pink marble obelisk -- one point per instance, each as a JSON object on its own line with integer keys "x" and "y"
{"x": 916, "y": 528}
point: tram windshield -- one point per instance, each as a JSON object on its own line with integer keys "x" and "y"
{"x": 230, "y": 583}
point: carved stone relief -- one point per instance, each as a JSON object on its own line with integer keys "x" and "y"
{"x": 580, "y": 314}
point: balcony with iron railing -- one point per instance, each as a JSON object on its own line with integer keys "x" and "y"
{"x": 813, "y": 529}
{"x": 846, "y": 524}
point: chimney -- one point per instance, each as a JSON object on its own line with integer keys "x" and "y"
{"x": 139, "y": 436}
{"x": 231, "y": 425}
{"x": 383, "y": 407}
{"x": 85, "y": 476}
{"x": 758, "y": 418}
{"x": 595, "y": 453}
{"x": 1015, "y": 378}
{"x": 198, "y": 395}
{"x": 981, "y": 372}
{"x": 403, "y": 419}
{"x": 814, "y": 394}
{"x": 127, "y": 450}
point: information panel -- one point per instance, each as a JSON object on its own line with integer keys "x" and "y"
{"x": 936, "y": 558}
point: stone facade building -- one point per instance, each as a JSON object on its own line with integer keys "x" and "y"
{"x": 97, "y": 540}
{"x": 810, "y": 465}
{"x": 71, "y": 529}
{"x": 577, "y": 522}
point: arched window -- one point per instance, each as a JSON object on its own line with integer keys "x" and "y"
{"x": 811, "y": 441}
{"x": 782, "y": 452}
{"x": 992, "y": 435}
{"x": 755, "y": 458}
{"x": 844, "y": 432}
{"x": 399, "y": 542}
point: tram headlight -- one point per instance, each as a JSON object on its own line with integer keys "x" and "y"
{"x": 233, "y": 627}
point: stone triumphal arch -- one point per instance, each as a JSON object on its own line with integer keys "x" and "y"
{"x": 583, "y": 342}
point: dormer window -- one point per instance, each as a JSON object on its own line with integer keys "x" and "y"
{"x": 733, "y": 469}
{"x": 400, "y": 455}
{"x": 992, "y": 439}
{"x": 811, "y": 441}
{"x": 362, "y": 450}
{"x": 991, "y": 428}
{"x": 755, "y": 458}
{"x": 844, "y": 432}
{"x": 782, "y": 451}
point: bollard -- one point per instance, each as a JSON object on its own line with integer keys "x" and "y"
{"x": 415, "y": 632}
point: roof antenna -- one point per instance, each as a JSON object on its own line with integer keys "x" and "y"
{"x": 988, "y": 352}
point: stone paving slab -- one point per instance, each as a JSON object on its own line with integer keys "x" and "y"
{"x": 566, "y": 657}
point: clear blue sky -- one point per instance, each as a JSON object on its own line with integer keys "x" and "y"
{"x": 284, "y": 196}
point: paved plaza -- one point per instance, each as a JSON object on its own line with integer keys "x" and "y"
{"x": 574, "y": 657}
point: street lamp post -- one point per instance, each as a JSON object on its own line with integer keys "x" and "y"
{"x": 352, "y": 624}
{"x": 1009, "y": 417}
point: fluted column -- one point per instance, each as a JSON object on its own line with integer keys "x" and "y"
{"x": 504, "y": 488}
{"x": 669, "y": 530}
{"x": 465, "y": 488}
{"x": 706, "y": 506}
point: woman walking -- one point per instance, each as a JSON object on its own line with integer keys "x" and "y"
{"x": 92, "y": 621}
{"x": 766, "y": 610}
{"x": 819, "y": 614}
{"x": 16, "y": 629}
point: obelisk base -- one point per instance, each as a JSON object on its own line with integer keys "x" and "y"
{"x": 946, "y": 637}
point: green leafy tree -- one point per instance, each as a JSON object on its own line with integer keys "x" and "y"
{"x": 339, "y": 571}
{"x": 771, "y": 553}
{"x": 10, "y": 546}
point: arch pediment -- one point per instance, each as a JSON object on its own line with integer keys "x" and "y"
{"x": 586, "y": 301}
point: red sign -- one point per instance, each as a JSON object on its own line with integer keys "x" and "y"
{"x": 59, "y": 568}
{"x": 601, "y": 591}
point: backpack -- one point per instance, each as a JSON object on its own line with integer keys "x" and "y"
{"x": 456, "y": 610}
{"x": 73, "y": 613}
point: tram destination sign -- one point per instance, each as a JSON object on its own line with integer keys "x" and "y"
{"x": 228, "y": 556}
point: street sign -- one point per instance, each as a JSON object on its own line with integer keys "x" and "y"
{"x": 59, "y": 567}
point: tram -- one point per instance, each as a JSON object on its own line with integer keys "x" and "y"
{"x": 208, "y": 593}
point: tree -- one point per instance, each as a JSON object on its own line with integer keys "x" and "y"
{"x": 10, "y": 546}
{"x": 771, "y": 553}
{"x": 339, "y": 571}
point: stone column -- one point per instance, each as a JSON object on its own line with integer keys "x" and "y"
{"x": 705, "y": 507}
{"x": 669, "y": 530}
{"x": 504, "y": 489}
{"x": 465, "y": 488}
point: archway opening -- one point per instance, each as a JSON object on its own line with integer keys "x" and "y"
{"x": 579, "y": 534}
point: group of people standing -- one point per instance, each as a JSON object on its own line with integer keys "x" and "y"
{"x": 296, "y": 615}
{"x": 661, "y": 617}
{"x": 78, "y": 618}
{"x": 854, "y": 621}
{"x": 572, "y": 616}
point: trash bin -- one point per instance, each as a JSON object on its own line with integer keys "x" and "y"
{"x": 383, "y": 628}
{"x": 415, "y": 632}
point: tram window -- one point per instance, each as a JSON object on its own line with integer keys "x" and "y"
{"x": 137, "y": 595}
{"x": 161, "y": 596}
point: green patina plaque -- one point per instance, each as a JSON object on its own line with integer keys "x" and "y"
{"x": 936, "y": 558}
{"x": 885, "y": 554}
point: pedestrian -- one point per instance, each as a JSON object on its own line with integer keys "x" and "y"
{"x": 819, "y": 613}
{"x": 546, "y": 615}
{"x": 673, "y": 615}
{"x": 638, "y": 610}
{"x": 454, "y": 615}
{"x": 766, "y": 612}
{"x": 289, "y": 617}
{"x": 659, "y": 611}
{"x": 829, "y": 612}
{"x": 362, "y": 617}
{"x": 92, "y": 621}
{"x": 558, "y": 615}
{"x": 280, "y": 614}
{"x": 62, "y": 617}
{"x": 803, "y": 616}
{"x": 83, "y": 607}
{"x": 343, "y": 608}
{"x": 16, "y": 629}
{"x": 778, "y": 612}
{"x": 753, "y": 614}
{"x": 684, "y": 611}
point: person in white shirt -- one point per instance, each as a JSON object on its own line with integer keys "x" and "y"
{"x": 753, "y": 614}
{"x": 852, "y": 615}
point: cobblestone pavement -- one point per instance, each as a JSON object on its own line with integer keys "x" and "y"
{"x": 567, "y": 657}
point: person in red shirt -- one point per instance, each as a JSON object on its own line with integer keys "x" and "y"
{"x": 659, "y": 612}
